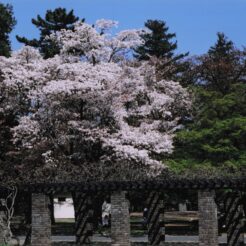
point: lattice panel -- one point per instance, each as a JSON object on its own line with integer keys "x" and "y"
{"x": 230, "y": 205}
{"x": 83, "y": 218}
{"x": 156, "y": 227}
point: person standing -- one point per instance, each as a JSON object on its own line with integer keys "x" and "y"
{"x": 106, "y": 213}
{"x": 145, "y": 217}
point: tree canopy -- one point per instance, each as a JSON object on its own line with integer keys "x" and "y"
{"x": 7, "y": 23}
{"x": 55, "y": 20}
{"x": 159, "y": 46}
{"x": 214, "y": 135}
{"x": 90, "y": 112}
{"x": 157, "y": 41}
{"x": 84, "y": 101}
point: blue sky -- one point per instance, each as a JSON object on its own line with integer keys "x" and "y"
{"x": 195, "y": 22}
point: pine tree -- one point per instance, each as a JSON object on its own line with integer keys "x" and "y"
{"x": 7, "y": 23}
{"x": 157, "y": 42}
{"x": 214, "y": 137}
{"x": 54, "y": 21}
{"x": 221, "y": 66}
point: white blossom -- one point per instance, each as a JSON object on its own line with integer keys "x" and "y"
{"x": 27, "y": 132}
{"x": 105, "y": 25}
{"x": 86, "y": 94}
{"x": 97, "y": 46}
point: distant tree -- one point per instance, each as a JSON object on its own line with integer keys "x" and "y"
{"x": 157, "y": 41}
{"x": 7, "y": 23}
{"x": 55, "y": 20}
{"x": 215, "y": 135}
{"x": 222, "y": 66}
{"x": 158, "y": 44}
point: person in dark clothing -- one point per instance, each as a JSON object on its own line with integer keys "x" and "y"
{"x": 145, "y": 217}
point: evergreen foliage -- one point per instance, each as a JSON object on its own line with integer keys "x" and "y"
{"x": 7, "y": 23}
{"x": 55, "y": 20}
{"x": 158, "y": 43}
{"x": 215, "y": 134}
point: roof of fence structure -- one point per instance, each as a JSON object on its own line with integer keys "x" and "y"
{"x": 158, "y": 185}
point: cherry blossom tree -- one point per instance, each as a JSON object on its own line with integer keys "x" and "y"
{"x": 97, "y": 44}
{"x": 91, "y": 112}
